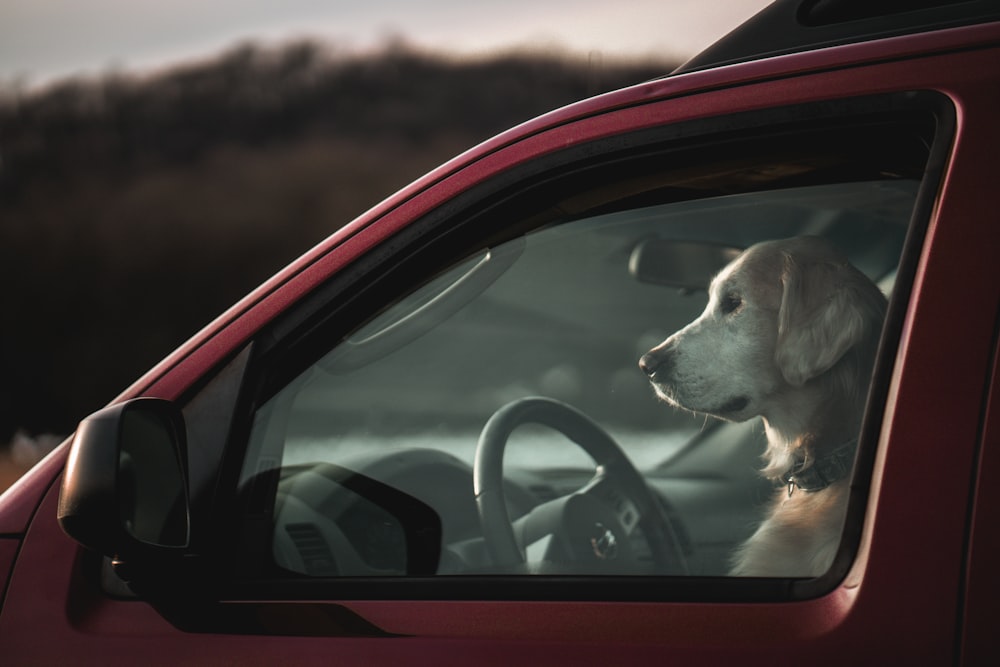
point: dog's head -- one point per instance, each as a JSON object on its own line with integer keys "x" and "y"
{"x": 780, "y": 316}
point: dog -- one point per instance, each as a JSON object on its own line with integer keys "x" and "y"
{"x": 790, "y": 334}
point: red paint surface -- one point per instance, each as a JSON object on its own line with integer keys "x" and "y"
{"x": 904, "y": 598}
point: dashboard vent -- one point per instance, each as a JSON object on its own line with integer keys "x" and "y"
{"x": 313, "y": 549}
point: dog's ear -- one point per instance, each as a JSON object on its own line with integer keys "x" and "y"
{"x": 822, "y": 316}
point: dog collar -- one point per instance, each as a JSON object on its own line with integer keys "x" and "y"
{"x": 820, "y": 473}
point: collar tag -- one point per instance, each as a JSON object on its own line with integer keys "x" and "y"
{"x": 822, "y": 472}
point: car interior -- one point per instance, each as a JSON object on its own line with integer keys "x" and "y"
{"x": 491, "y": 419}
{"x": 558, "y": 319}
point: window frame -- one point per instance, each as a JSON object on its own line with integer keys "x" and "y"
{"x": 427, "y": 244}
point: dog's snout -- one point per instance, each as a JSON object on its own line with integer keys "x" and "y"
{"x": 658, "y": 361}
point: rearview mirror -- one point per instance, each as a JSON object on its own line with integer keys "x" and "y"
{"x": 688, "y": 265}
{"x": 124, "y": 491}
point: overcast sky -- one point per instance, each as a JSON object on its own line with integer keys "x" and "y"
{"x": 42, "y": 40}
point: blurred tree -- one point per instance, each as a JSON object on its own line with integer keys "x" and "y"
{"x": 133, "y": 210}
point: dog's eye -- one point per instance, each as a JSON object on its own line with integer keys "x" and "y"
{"x": 730, "y": 303}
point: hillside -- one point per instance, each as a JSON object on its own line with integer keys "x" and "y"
{"x": 133, "y": 210}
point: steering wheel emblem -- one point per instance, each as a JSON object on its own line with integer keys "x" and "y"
{"x": 604, "y": 543}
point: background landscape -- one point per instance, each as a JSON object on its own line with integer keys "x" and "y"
{"x": 133, "y": 209}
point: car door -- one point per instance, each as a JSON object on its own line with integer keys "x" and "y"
{"x": 339, "y": 465}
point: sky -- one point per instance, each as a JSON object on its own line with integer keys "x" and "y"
{"x": 46, "y": 40}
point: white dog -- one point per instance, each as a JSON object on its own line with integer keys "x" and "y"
{"x": 790, "y": 333}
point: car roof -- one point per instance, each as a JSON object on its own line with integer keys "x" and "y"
{"x": 791, "y": 26}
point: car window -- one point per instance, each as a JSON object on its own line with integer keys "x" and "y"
{"x": 530, "y": 409}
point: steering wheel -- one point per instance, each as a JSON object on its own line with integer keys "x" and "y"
{"x": 590, "y": 527}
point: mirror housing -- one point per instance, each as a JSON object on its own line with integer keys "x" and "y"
{"x": 687, "y": 265}
{"x": 124, "y": 491}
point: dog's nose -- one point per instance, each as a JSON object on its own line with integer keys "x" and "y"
{"x": 656, "y": 362}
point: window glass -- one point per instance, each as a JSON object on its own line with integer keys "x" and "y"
{"x": 497, "y": 420}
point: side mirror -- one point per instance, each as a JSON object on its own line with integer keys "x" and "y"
{"x": 124, "y": 491}
{"x": 403, "y": 538}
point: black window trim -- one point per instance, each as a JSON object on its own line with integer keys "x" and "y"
{"x": 420, "y": 246}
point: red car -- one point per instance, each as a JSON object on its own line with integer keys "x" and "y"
{"x": 429, "y": 440}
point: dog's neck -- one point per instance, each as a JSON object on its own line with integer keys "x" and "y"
{"x": 811, "y": 426}
{"x": 814, "y": 421}
{"x": 821, "y": 472}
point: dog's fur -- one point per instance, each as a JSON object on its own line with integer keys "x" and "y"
{"x": 790, "y": 333}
